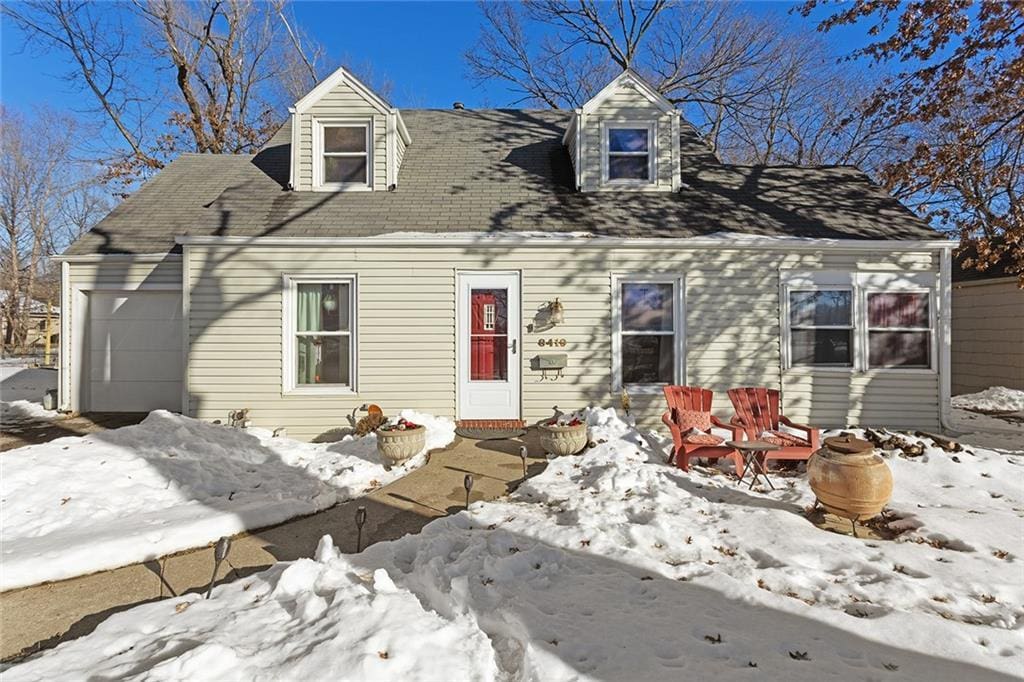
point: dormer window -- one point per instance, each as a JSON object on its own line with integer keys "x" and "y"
{"x": 343, "y": 160}
{"x": 629, "y": 154}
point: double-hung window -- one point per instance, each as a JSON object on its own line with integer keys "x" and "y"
{"x": 343, "y": 155}
{"x": 899, "y": 329}
{"x": 821, "y": 327}
{"x": 320, "y": 329}
{"x": 629, "y": 154}
{"x": 861, "y": 320}
{"x": 649, "y": 331}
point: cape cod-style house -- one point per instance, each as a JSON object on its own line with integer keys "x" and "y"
{"x": 494, "y": 264}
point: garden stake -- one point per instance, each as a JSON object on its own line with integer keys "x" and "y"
{"x": 220, "y": 553}
{"x": 360, "y": 520}
{"x": 467, "y": 483}
{"x": 522, "y": 455}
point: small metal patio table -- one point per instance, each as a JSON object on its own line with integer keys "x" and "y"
{"x": 752, "y": 451}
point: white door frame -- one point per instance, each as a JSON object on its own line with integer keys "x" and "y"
{"x": 465, "y": 280}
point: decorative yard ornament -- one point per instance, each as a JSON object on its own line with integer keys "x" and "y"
{"x": 220, "y": 553}
{"x": 556, "y": 312}
{"x": 360, "y": 522}
{"x": 467, "y": 483}
{"x": 849, "y": 479}
{"x": 522, "y": 456}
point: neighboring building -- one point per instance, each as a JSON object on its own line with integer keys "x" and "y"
{"x": 40, "y": 324}
{"x": 414, "y": 258}
{"x": 987, "y": 329}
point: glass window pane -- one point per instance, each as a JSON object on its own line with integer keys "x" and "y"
{"x": 488, "y": 311}
{"x": 488, "y": 357}
{"x": 344, "y": 139}
{"x": 647, "y": 307}
{"x": 322, "y": 360}
{"x": 820, "y": 308}
{"x": 899, "y": 349}
{"x": 627, "y": 139}
{"x": 648, "y": 359}
{"x": 628, "y": 168}
{"x": 345, "y": 169}
{"x": 898, "y": 310}
{"x": 821, "y": 347}
{"x": 323, "y": 307}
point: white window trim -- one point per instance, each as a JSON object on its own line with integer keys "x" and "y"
{"x": 652, "y": 153}
{"x": 289, "y": 330}
{"x": 318, "y": 155}
{"x": 679, "y": 330}
{"x": 852, "y": 326}
{"x": 930, "y": 329}
{"x": 861, "y": 283}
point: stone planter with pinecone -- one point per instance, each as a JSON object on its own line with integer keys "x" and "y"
{"x": 398, "y": 442}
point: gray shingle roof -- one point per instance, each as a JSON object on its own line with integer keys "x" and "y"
{"x": 495, "y": 171}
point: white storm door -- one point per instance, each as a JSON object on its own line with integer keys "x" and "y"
{"x": 488, "y": 345}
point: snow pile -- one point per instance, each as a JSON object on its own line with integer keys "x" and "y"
{"x": 78, "y": 505}
{"x": 993, "y": 399}
{"x": 612, "y": 565}
{"x": 24, "y": 411}
{"x": 305, "y": 620}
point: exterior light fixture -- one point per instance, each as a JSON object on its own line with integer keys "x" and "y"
{"x": 360, "y": 522}
{"x": 556, "y": 311}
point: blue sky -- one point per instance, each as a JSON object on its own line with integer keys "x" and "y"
{"x": 422, "y": 57}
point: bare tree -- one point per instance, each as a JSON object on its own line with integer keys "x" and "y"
{"x": 757, "y": 94}
{"x": 233, "y": 64}
{"x": 40, "y": 181}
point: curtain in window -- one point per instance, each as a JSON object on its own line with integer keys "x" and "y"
{"x": 309, "y": 320}
{"x": 898, "y": 310}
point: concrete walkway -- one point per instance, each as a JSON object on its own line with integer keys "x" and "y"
{"x": 43, "y": 616}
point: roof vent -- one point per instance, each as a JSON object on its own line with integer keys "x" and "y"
{"x": 458, "y": 105}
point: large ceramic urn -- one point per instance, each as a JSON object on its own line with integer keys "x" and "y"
{"x": 849, "y": 479}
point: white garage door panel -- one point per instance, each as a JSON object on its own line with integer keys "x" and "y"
{"x": 129, "y": 365}
{"x": 153, "y": 335}
{"x": 136, "y": 396}
{"x": 133, "y": 351}
{"x": 137, "y": 305}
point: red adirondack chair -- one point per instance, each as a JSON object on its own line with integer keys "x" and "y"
{"x": 689, "y": 407}
{"x": 758, "y": 414}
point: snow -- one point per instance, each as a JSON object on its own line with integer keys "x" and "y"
{"x": 21, "y": 393}
{"x": 79, "y": 505}
{"x": 992, "y": 399}
{"x": 612, "y": 565}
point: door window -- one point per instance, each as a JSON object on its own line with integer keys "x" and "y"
{"x": 488, "y": 335}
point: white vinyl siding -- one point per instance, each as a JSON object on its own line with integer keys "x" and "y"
{"x": 627, "y": 108}
{"x": 406, "y": 309}
{"x": 345, "y": 103}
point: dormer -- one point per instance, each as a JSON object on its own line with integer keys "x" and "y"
{"x": 625, "y": 138}
{"x": 345, "y": 137}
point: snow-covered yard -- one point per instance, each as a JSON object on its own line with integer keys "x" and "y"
{"x": 78, "y": 505}
{"x": 613, "y": 566}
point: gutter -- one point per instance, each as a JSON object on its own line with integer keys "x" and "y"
{"x": 578, "y": 241}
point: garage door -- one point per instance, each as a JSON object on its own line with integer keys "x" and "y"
{"x": 133, "y": 351}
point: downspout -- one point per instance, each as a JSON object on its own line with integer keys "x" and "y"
{"x": 64, "y": 375}
{"x": 945, "y": 328}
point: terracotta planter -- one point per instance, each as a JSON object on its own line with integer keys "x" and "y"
{"x": 849, "y": 479}
{"x": 395, "y": 446}
{"x": 563, "y": 440}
